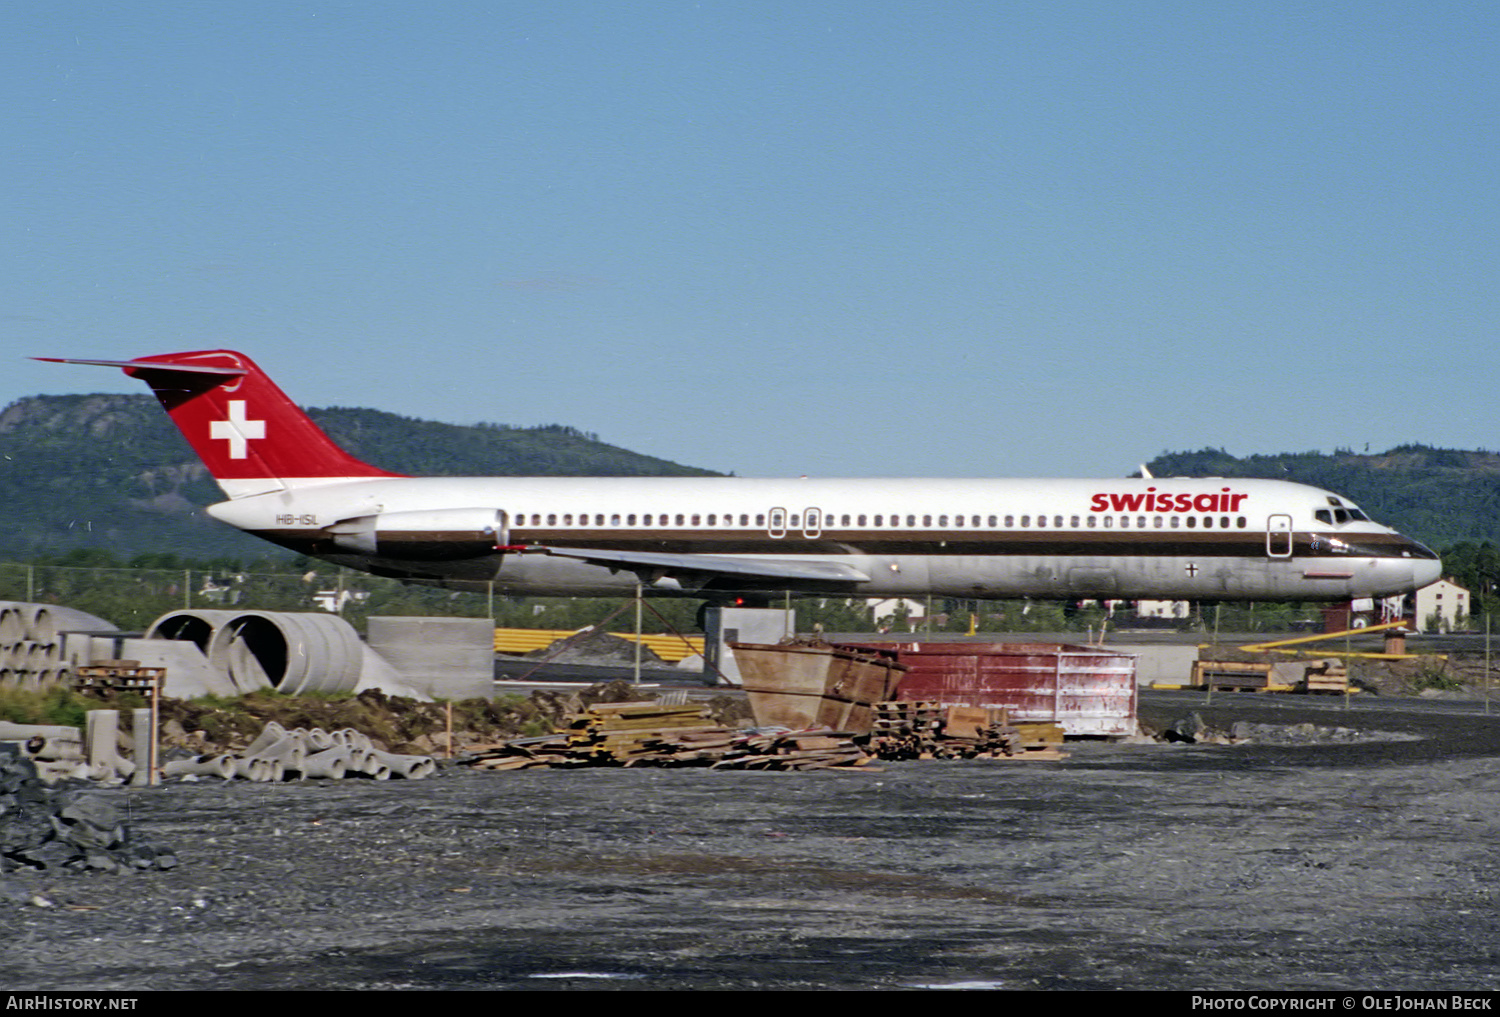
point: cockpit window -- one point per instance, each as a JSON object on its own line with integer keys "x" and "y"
{"x": 1340, "y": 515}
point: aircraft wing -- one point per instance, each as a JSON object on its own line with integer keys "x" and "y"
{"x": 701, "y": 569}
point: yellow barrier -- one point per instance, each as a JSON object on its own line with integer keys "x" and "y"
{"x": 667, "y": 647}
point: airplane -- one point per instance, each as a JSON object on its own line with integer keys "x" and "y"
{"x": 721, "y": 538}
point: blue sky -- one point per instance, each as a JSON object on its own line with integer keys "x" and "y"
{"x": 931, "y": 239}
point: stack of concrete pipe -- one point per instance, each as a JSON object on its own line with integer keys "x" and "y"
{"x": 278, "y": 754}
{"x": 57, "y": 751}
{"x": 295, "y": 653}
{"x": 60, "y": 752}
{"x": 32, "y": 654}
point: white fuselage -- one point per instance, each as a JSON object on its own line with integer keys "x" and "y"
{"x": 1171, "y": 538}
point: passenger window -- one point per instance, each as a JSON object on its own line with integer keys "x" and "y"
{"x": 614, "y": 520}
{"x": 1093, "y": 522}
{"x": 630, "y": 519}
{"x": 713, "y": 520}
{"x": 1041, "y": 520}
{"x": 1025, "y": 520}
{"x": 1073, "y": 522}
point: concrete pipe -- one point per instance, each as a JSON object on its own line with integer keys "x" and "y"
{"x": 34, "y": 621}
{"x": 11, "y": 732}
{"x": 353, "y": 739}
{"x": 287, "y": 753}
{"x": 12, "y": 625}
{"x": 50, "y": 678}
{"x": 295, "y": 653}
{"x": 195, "y": 626}
{"x": 39, "y": 626}
{"x": 331, "y": 764}
{"x": 409, "y": 767}
{"x": 251, "y": 768}
{"x": 316, "y": 739}
{"x": 269, "y": 735}
{"x": 201, "y": 766}
{"x": 362, "y": 763}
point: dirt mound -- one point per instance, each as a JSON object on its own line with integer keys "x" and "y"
{"x": 597, "y": 648}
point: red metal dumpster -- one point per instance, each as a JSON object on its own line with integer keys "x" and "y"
{"x": 1087, "y": 690}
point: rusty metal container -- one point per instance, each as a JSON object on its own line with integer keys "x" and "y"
{"x": 1087, "y": 690}
{"x": 801, "y": 686}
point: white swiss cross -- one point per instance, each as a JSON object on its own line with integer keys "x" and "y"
{"x": 237, "y": 430}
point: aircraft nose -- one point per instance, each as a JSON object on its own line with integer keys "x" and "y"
{"x": 1426, "y": 571}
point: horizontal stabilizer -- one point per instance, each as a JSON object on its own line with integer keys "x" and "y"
{"x": 150, "y": 365}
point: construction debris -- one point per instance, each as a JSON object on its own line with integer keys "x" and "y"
{"x": 652, "y": 734}
{"x": 918, "y": 729}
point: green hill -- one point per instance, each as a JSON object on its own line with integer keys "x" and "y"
{"x": 111, "y": 472}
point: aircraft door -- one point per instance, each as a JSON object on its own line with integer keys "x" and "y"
{"x": 776, "y": 527}
{"x": 502, "y": 528}
{"x": 1279, "y": 537}
{"x": 812, "y": 523}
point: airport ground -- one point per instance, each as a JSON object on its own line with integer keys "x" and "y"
{"x": 1350, "y": 846}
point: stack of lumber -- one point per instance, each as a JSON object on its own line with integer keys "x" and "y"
{"x": 622, "y": 732}
{"x": 816, "y": 749}
{"x": 653, "y": 734}
{"x": 928, "y": 730}
{"x": 1330, "y": 675}
{"x": 906, "y": 729}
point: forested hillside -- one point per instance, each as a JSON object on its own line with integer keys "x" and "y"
{"x": 1439, "y": 496}
{"x": 110, "y": 471}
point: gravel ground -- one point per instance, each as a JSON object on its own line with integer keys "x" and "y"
{"x": 1341, "y": 864}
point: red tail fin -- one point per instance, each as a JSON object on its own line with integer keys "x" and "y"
{"x": 252, "y": 438}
